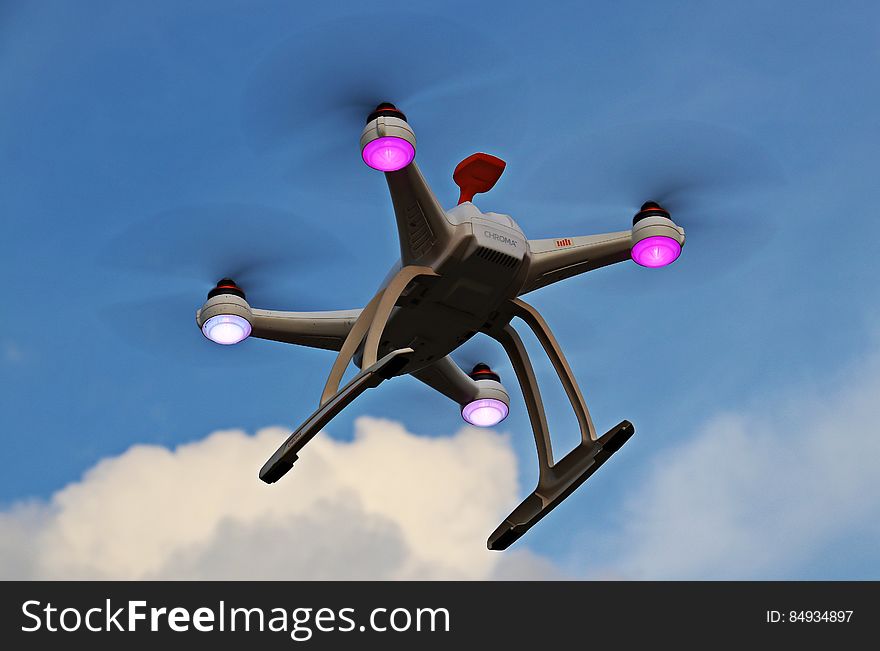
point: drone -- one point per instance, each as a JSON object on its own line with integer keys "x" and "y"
{"x": 461, "y": 272}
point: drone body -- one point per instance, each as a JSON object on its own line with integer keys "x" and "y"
{"x": 460, "y": 272}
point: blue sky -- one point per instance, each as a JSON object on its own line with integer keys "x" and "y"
{"x": 118, "y": 120}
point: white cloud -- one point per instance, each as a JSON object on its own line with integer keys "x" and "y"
{"x": 387, "y": 505}
{"x": 747, "y": 496}
{"x": 760, "y": 496}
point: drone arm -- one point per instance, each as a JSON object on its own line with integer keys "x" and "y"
{"x": 422, "y": 225}
{"x": 445, "y": 376}
{"x": 325, "y": 330}
{"x": 560, "y": 258}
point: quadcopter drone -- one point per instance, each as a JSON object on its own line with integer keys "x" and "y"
{"x": 460, "y": 272}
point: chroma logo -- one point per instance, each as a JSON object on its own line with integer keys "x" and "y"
{"x": 500, "y": 238}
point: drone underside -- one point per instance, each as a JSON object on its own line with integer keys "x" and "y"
{"x": 460, "y": 272}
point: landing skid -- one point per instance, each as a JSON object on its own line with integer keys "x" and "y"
{"x": 367, "y": 329}
{"x": 282, "y": 461}
{"x": 563, "y": 478}
{"x": 556, "y": 480}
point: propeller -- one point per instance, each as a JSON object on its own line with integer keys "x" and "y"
{"x": 308, "y": 99}
{"x": 176, "y": 257}
{"x": 712, "y": 180}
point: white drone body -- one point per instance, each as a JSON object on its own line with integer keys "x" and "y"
{"x": 460, "y": 272}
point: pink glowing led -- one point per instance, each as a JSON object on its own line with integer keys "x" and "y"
{"x": 485, "y": 412}
{"x": 388, "y": 154}
{"x": 226, "y": 329}
{"x": 656, "y": 251}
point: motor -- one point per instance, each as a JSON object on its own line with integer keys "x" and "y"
{"x": 491, "y": 404}
{"x": 226, "y": 317}
{"x": 657, "y": 241}
{"x": 388, "y": 143}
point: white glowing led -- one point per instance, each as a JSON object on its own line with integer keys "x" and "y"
{"x": 485, "y": 412}
{"x": 226, "y": 329}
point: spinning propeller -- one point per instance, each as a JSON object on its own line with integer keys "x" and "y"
{"x": 268, "y": 253}
{"x": 306, "y": 101}
{"x": 697, "y": 172}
